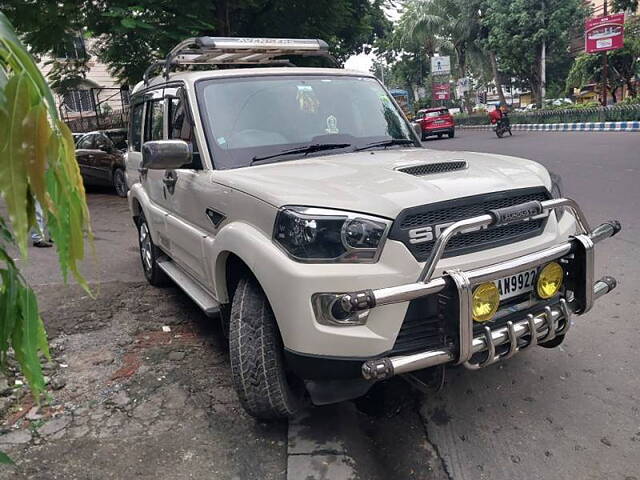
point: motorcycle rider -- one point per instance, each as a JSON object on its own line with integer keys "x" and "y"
{"x": 499, "y": 117}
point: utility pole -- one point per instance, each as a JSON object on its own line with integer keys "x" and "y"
{"x": 605, "y": 65}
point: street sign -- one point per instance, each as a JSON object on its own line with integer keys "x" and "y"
{"x": 441, "y": 91}
{"x": 440, "y": 65}
{"x": 604, "y": 33}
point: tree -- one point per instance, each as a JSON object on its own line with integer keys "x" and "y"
{"x": 518, "y": 28}
{"x": 132, "y": 35}
{"x": 37, "y": 164}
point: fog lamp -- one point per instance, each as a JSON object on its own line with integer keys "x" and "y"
{"x": 486, "y": 299}
{"x": 550, "y": 280}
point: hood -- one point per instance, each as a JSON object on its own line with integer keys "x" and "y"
{"x": 369, "y": 181}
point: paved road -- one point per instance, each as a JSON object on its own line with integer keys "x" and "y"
{"x": 567, "y": 413}
{"x": 571, "y": 412}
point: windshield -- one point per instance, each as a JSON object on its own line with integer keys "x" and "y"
{"x": 258, "y": 117}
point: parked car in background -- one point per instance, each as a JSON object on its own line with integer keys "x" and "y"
{"x": 100, "y": 156}
{"x": 436, "y": 121}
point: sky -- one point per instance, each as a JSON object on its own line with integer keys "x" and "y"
{"x": 362, "y": 62}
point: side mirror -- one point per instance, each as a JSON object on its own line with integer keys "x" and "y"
{"x": 165, "y": 154}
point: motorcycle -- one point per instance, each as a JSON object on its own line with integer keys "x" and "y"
{"x": 501, "y": 127}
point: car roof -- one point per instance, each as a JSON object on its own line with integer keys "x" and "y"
{"x": 194, "y": 76}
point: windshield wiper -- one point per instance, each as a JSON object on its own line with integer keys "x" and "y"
{"x": 316, "y": 147}
{"x": 387, "y": 143}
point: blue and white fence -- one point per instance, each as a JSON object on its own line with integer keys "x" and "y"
{"x": 570, "y": 127}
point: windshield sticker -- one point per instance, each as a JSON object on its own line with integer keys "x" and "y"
{"x": 332, "y": 125}
{"x": 307, "y": 100}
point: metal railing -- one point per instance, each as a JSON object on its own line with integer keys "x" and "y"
{"x": 612, "y": 113}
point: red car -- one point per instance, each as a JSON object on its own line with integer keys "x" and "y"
{"x": 436, "y": 121}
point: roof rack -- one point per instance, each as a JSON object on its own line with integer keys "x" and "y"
{"x": 239, "y": 51}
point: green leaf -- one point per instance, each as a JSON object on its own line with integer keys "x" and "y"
{"x": 29, "y": 338}
{"x": 128, "y": 22}
{"x": 13, "y": 184}
{"x": 5, "y": 460}
{"x": 37, "y": 161}
{"x": 8, "y": 310}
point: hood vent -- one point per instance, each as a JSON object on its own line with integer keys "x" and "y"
{"x": 429, "y": 168}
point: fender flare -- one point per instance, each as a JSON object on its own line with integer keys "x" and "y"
{"x": 252, "y": 246}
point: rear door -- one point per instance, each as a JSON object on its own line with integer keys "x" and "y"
{"x": 85, "y": 155}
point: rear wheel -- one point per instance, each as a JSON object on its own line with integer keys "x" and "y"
{"x": 120, "y": 182}
{"x": 149, "y": 255}
{"x": 257, "y": 363}
{"x": 452, "y": 134}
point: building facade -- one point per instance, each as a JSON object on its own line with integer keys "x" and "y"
{"x": 98, "y": 100}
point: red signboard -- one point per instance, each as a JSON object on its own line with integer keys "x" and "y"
{"x": 441, "y": 91}
{"x": 604, "y": 33}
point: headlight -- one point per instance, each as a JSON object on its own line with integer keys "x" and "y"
{"x": 330, "y": 236}
{"x": 556, "y": 192}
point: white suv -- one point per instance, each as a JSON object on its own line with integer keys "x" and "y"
{"x": 299, "y": 205}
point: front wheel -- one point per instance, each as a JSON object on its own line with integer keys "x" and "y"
{"x": 257, "y": 363}
{"x": 120, "y": 182}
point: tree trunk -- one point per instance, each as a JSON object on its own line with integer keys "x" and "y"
{"x": 222, "y": 18}
{"x": 496, "y": 77}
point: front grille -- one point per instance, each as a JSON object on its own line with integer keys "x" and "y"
{"x": 430, "y": 168}
{"x": 432, "y": 219}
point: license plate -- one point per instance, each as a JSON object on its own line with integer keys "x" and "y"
{"x": 516, "y": 284}
{"x": 439, "y": 121}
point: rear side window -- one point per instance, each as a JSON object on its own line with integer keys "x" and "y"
{"x": 154, "y": 123}
{"x": 136, "y": 127}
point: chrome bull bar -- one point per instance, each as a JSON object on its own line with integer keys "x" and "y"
{"x": 539, "y": 328}
{"x": 542, "y": 327}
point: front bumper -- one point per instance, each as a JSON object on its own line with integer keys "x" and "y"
{"x": 551, "y": 322}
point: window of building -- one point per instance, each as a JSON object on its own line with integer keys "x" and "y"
{"x": 79, "y": 100}
{"x": 72, "y": 48}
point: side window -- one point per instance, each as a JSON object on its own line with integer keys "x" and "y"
{"x": 85, "y": 142}
{"x": 180, "y": 126}
{"x": 136, "y": 127}
{"x": 153, "y": 124}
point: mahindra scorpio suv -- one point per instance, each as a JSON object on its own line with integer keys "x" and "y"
{"x": 299, "y": 207}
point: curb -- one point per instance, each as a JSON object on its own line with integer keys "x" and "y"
{"x": 568, "y": 127}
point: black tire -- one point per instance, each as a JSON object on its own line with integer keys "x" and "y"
{"x": 120, "y": 182}
{"x": 499, "y": 132}
{"x": 149, "y": 255}
{"x": 452, "y": 134}
{"x": 439, "y": 136}
{"x": 423, "y": 137}
{"x": 257, "y": 363}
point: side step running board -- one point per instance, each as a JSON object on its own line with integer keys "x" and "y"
{"x": 199, "y": 295}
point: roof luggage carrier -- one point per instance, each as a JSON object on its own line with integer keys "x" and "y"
{"x": 239, "y": 51}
